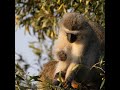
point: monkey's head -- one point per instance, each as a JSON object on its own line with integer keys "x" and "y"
{"x": 76, "y": 27}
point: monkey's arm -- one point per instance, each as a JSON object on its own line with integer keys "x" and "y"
{"x": 69, "y": 76}
{"x": 61, "y": 66}
{"x": 92, "y": 55}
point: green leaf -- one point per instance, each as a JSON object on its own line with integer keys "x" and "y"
{"x": 103, "y": 82}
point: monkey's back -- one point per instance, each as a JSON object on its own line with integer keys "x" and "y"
{"x": 47, "y": 74}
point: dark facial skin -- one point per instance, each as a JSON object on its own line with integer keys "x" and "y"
{"x": 62, "y": 55}
{"x": 71, "y": 37}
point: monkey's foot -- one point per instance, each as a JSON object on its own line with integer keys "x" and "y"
{"x": 56, "y": 82}
{"x": 66, "y": 85}
{"x": 61, "y": 73}
{"x": 62, "y": 55}
{"x": 69, "y": 82}
{"x": 74, "y": 84}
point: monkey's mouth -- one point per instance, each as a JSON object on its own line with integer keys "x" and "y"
{"x": 71, "y": 37}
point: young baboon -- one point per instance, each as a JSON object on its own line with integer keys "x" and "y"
{"x": 80, "y": 41}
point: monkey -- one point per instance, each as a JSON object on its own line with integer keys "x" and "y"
{"x": 83, "y": 74}
{"x": 80, "y": 41}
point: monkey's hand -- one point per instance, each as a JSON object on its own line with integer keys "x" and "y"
{"x": 62, "y": 55}
{"x": 71, "y": 73}
{"x": 59, "y": 78}
{"x": 69, "y": 80}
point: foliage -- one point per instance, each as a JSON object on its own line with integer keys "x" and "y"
{"x": 23, "y": 81}
{"x": 42, "y": 16}
{"x": 88, "y": 78}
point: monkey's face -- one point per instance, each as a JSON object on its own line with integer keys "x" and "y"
{"x": 82, "y": 35}
{"x": 76, "y": 27}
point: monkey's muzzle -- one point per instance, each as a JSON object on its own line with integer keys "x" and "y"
{"x": 71, "y": 37}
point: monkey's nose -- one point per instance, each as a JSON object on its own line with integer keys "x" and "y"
{"x": 71, "y": 37}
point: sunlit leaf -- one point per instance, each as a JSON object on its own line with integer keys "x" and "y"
{"x": 58, "y": 2}
{"x": 44, "y": 23}
{"x": 103, "y": 82}
{"x": 80, "y": 1}
{"x": 60, "y": 7}
{"x": 87, "y": 2}
{"x": 27, "y": 29}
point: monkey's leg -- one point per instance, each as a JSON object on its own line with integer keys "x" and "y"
{"x": 61, "y": 66}
{"x": 77, "y": 53}
{"x": 70, "y": 74}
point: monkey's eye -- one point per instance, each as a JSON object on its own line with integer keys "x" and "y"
{"x": 71, "y": 37}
